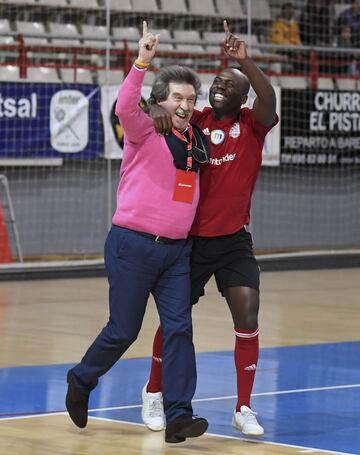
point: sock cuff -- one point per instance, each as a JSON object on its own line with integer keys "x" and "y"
{"x": 244, "y": 333}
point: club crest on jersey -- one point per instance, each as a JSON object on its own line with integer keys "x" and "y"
{"x": 206, "y": 132}
{"x": 235, "y": 130}
{"x": 217, "y": 136}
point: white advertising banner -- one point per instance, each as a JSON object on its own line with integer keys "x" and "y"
{"x": 113, "y": 132}
{"x": 69, "y": 121}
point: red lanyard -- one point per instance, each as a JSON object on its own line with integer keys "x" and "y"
{"x": 188, "y": 146}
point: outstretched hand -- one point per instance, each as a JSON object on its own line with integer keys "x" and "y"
{"x": 233, "y": 46}
{"x": 147, "y": 44}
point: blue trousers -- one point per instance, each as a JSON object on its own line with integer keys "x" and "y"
{"x": 137, "y": 266}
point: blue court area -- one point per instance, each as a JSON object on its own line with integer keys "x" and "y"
{"x": 306, "y": 396}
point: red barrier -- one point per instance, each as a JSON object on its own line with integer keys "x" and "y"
{"x": 5, "y": 250}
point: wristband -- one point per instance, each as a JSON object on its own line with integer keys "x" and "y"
{"x": 141, "y": 64}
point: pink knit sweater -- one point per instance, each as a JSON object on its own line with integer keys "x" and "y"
{"x": 147, "y": 174}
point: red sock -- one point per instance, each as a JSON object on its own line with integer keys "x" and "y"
{"x": 155, "y": 380}
{"x": 246, "y": 357}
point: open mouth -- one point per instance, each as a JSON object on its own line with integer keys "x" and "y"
{"x": 218, "y": 96}
{"x": 181, "y": 114}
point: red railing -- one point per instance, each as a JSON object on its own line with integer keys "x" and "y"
{"x": 125, "y": 56}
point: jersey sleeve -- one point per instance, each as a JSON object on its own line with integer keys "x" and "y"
{"x": 196, "y": 117}
{"x": 199, "y": 117}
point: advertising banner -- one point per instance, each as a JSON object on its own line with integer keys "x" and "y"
{"x": 320, "y": 127}
{"x": 113, "y": 131}
{"x": 50, "y": 121}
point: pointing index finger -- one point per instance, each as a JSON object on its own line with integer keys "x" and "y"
{"x": 145, "y": 28}
{"x": 226, "y": 27}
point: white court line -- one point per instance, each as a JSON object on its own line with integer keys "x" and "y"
{"x": 284, "y": 392}
{"x": 197, "y": 400}
{"x": 302, "y": 449}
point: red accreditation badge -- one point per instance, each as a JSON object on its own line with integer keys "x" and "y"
{"x": 184, "y": 186}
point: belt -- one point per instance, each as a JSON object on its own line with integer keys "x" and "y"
{"x": 158, "y": 238}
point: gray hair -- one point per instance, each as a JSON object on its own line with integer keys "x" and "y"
{"x": 174, "y": 73}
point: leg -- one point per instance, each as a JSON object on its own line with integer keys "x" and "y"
{"x": 152, "y": 408}
{"x": 130, "y": 278}
{"x": 238, "y": 280}
{"x": 244, "y": 306}
{"x": 152, "y": 411}
{"x": 155, "y": 381}
{"x": 172, "y": 296}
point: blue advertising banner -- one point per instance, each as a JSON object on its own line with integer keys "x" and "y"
{"x": 50, "y": 121}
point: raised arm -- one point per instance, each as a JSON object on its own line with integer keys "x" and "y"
{"x": 135, "y": 122}
{"x": 264, "y": 108}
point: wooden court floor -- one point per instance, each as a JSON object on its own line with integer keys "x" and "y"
{"x": 46, "y": 322}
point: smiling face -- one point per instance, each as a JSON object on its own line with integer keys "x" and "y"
{"x": 228, "y": 92}
{"x": 180, "y": 104}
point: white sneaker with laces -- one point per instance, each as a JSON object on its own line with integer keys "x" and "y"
{"x": 246, "y": 422}
{"x": 152, "y": 411}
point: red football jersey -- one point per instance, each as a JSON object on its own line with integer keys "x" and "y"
{"x": 227, "y": 183}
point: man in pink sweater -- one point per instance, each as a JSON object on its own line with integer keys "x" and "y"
{"x": 147, "y": 249}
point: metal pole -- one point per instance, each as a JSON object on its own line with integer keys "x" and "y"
{"x": 248, "y": 45}
{"x": 249, "y": 25}
{"x": 108, "y": 162}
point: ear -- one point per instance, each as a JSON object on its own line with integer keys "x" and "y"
{"x": 244, "y": 99}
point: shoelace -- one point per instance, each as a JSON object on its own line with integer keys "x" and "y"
{"x": 250, "y": 416}
{"x": 155, "y": 407}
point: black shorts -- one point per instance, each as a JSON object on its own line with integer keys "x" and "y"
{"x": 230, "y": 258}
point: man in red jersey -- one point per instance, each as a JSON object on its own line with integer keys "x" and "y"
{"x": 221, "y": 244}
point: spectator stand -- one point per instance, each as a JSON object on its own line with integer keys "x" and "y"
{"x": 51, "y": 40}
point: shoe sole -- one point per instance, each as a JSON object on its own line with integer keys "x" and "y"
{"x": 152, "y": 428}
{"x": 243, "y": 432}
{"x": 193, "y": 430}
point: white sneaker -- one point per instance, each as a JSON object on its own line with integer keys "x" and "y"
{"x": 152, "y": 411}
{"x": 246, "y": 422}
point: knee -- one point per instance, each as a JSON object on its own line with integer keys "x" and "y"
{"x": 118, "y": 336}
{"x": 247, "y": 318}
{"x": 244, "y": 306}
{"x": 248, "y": 321}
